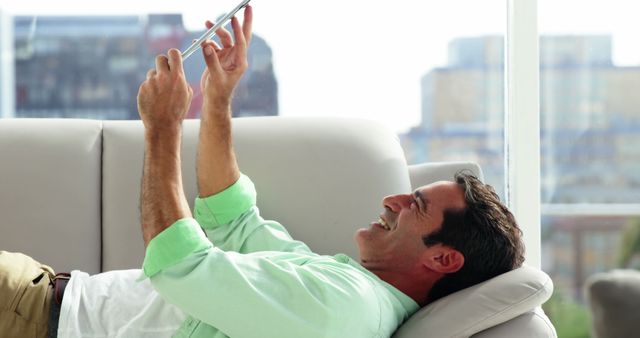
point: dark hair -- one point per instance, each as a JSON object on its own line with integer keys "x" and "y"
{"x": 485, "y": 232}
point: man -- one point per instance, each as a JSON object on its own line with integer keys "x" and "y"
{"x": 223, "y": 271}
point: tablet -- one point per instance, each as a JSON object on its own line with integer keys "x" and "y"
{"x": 212, "y": 31}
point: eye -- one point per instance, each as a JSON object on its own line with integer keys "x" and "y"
{"x": 418, "y": 206}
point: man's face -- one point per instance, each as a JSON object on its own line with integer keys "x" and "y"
{"x": 394, "y": 242}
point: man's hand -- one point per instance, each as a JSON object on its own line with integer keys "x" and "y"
{"x": 165, "y": 96}
{"x": 217, "y": 165}
{"x": 163, "y": 101}
{"x": 226, "y": 64}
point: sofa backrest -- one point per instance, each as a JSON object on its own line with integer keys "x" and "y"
{"x": 70, "y": 189}
{"x": 50, "y": 191}
{"x": 321, "y": 178}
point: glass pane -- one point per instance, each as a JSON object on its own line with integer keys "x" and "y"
{"x": 590, "y": 115}
{"x": 432, "y": 72}
{"x": 577, "y": 247}
{"x": 463, "y": 108}
{"x": 590, "y": 123}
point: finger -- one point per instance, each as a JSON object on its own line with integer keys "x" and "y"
{"x": 151, "y": 73}
{"x": 239, "y": 35}
{"x": 215, "y": 45}
{"x": 175, "y": 61}
{"x": 247, "y": 23}
{"x": 225, "y": 36}
{"x": 211, "y": 58}
{"x": 162, "y": 64}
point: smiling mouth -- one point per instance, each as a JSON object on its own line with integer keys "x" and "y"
{"x": 384, "y": 224}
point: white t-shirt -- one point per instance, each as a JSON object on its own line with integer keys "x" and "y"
{"x": 115, "y": 304}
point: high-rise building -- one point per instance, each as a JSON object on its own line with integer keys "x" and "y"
{"x": 589, "y": 118}
{"x": 92, "y": 67}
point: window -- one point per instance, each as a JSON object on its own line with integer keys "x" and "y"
{"x": 431, "y": 72}
{"x": 590, "y": 122}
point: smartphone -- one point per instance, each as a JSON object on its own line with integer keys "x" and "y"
{"x": 212, "y": 31}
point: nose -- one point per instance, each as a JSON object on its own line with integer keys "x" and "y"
{"x": 395, "y": 203}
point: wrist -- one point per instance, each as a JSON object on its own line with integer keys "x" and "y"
{"x": 163, "y": 131}
{"x": 216, "y": 106}
{"x": 166, "y": 136}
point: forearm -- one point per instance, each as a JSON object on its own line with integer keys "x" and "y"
{"x": 162, "y": 200}
{"x": 217, "y": 166}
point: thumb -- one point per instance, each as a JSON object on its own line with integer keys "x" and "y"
{"x": 211, "y": 58}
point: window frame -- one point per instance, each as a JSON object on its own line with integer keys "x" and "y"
{"x": 522, "y": 123}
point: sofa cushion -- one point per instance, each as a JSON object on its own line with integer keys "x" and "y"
{"x": 481, "y": 306}
{"x": 50, "y": 191}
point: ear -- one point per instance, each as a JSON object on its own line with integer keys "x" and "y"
{"x": 443, "y": 259}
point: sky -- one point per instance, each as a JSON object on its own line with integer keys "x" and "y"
{"x": 366, "y": 58}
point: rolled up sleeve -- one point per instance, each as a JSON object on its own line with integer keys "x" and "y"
{"x": 227, "y": 205}
{"x": 179, "y": 241}
{"x": 185, "y": 237}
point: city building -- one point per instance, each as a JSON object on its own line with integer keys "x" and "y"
{"x": 78, "y": 66}
{"x": 91, "y": 67}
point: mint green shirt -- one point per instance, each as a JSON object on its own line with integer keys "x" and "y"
{"x": 246, "y": 277}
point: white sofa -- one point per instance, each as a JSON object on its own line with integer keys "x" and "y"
{"x": 69, "y": 197}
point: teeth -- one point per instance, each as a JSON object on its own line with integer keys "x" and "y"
{"x": 384, "y": 224}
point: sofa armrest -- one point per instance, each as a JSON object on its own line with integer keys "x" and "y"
{"x": 488, "y": 309}
{"x": 532, "y": 324}
{"x": 614, "y": 301}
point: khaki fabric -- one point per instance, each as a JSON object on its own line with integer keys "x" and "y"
{"x": 25, "y": 296}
